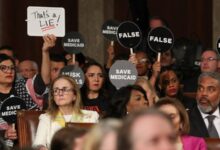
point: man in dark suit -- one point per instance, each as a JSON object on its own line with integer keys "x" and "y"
{"x": 208, "y": 100}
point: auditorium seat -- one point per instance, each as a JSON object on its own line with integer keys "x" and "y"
{"x": 213, "y": 144}
{"x": 80, "y": 125}
{"x": 190, "y": 94}
{"x": 27, "y": 122}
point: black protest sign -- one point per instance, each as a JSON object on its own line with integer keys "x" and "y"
{"x": 129, "y": 34}
{"x": 73, "y": 42}
{"x": 122, "y": 73}
{"x": 75, "y": 72}
{"x": 218, "y": 46}
{"x": 160, "y": 39}
{"x": 9, "y": 108}
{"x": 109, "y": 30}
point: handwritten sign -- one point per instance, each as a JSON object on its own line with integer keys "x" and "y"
{"x": 45, "y": 20}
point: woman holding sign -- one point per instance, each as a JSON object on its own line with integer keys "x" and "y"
{"x": 11, "y": 88}
{"x": 64, "y": 106}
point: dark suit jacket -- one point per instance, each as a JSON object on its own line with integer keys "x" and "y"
{"x": 197, "y": 124}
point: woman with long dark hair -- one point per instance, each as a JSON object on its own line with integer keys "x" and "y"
{"x": 96, "y": 92}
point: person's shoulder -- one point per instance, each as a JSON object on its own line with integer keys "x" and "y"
{"x": 45, "y": 116}
{"x": 193, "y": 139}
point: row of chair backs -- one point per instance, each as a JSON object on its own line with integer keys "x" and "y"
{"x": 27, "y": 122}
{"x": 212, "y": 144}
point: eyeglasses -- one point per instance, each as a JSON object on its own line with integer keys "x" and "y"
{"x": 5, "y": 68}
{"x": 64, "y": 91}
{"x": 143, "y": 60}
{"x": 208, "y": 59}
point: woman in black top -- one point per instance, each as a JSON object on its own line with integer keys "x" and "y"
{"x": 11, "y": 87}
{"x": 96, "y": 91}
{"x": 170, "y": 87}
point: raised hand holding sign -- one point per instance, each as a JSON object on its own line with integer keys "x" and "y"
{"x": 73, "y": 43}
{"x": 45, "y": 20}
{"x": 109, "y": 30}
{"x": 129, "y": 35}
{"x": 160, "y": 40}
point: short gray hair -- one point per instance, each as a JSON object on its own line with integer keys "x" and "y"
{"x": 214, "y": 75}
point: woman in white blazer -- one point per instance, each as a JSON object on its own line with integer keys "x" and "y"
{"x": 64, "y": 106}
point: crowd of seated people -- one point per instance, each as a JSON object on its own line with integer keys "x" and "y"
{"x": 152, "y": 114}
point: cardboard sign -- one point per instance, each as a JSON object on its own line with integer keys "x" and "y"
{"x": 218, "y": 47}
{"x": 9, "y": 108}
{"x": 122, "y": 73}
{"x": 75, "y": 72}
{"x": 73, "y": 42}
{"x": 45, "y": 20}
{"x": 109, "y": 30}
{"x": 129, "y": 34}
{"x": 160, "y": 39}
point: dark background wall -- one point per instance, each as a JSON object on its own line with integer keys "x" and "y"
{"x": 188, "y": 18}
{"x": 13, "y": 27}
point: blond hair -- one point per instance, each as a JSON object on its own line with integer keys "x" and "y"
{"x": 53, "y": 107}
{"x": 95, "y": 136}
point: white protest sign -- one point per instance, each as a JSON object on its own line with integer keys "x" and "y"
{"x": 45, "y": 20}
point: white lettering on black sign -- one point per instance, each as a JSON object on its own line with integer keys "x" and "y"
{"x": 75, "y": 76}
{"x": 11, "y": 110}
{"x": 74, "y": 43}
{"x": 13, "y": 107}
{"x": 9, "y": 113}
{"x": 129, "y": 35}
{"x": 123, "y": 77}
{"x": 110, "y": 30}
{"x": 160, "y": 39}
{"x": 122, "y": 74}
